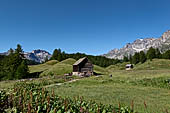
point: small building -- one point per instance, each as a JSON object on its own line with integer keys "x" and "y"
{"x": 129, "y": 66}
{"x": 83, "y": 67}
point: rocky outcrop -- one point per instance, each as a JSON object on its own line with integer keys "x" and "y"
{"x": 141, "y": 45}
{"x": 37, "y": 55}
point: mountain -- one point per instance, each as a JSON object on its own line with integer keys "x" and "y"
{"x": 38, "y": 56}
{"x": 163, "y": 43}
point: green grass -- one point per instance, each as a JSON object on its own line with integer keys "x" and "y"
{"x": 155, "y": 64}
{"x": 108, "y": 90}
{"x": 99, "y": 70}
{"x": 42, "y": 67}
{"x": 147, "y": 82}
{"x": 70, "y": 61}
{"x": 51, "y": 62}
{"x": 60, "y": 68}
{"x": 140, "y": 84}
{"x": 119, "y": 66}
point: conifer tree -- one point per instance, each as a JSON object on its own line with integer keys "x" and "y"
{"x": 125, "y": 59}
{"x": 130, "y": 59}
{"x": 151, "y": 54}
{"x": 136, "y": 58}
{"x": 142, "y": 57}
{"x": 13, "y": 64}
{"x": 158, "y": 53}
{"x": 22, "y": 70}
{"x": 166, "y": 55}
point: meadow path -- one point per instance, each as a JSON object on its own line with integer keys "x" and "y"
{"x": 59, "y": 84}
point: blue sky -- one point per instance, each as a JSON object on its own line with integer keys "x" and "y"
{"x": 87, "y": 26}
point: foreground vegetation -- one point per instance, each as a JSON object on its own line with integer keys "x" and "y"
{"x": 149, "y": 91}
{"x": 125, "y": 88}
{"x": 145, "y": 89}
{"x": 31, "y": 97}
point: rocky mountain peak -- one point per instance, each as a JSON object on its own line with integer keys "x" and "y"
{"x": 166, "y": 36}
{"x": 140, "y": 45}
{"x": 38, "y": 55}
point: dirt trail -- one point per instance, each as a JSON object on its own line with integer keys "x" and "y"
{"x": 59, "y": 84}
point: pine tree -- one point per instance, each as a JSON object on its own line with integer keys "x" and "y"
{"x": 142, "y": 57}
{"x": 130, "y": 59}
{"x": 166, "y": 55}
{"x": 151, "y": 54}
{"x": 12, "y": 63}
{"x": 125, "y": 59}
{"x": 22, "y": 70}
{"x": 136, "y": 58}
{"x": 57, "y": 55}
{"x": 158, "y": 54}
{"x": 19, "y": 49}
{"x": 11, "y": 51}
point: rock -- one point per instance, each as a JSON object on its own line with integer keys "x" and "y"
{"x": 163, "y": 43}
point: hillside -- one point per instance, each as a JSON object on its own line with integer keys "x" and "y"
{"x": 155, "y": 64}
{"x": 65, "y": 66}
{"x": 60, "y": 68}
{"x": 119, "y": 66}
{"x": 147, "y": 82}
{"x": 42, "y": 67}
{"x": 54, "y": 67}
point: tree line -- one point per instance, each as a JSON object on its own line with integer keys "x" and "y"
{"x": 141, "y": 57}
{"x": 14, "y": 65}
{"x": 97, "y": 60}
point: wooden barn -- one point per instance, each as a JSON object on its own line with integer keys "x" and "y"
{"x": 83, "y": 67}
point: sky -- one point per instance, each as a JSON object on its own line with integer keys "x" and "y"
{"x": 87, "y": 26}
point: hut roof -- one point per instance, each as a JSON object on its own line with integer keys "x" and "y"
{"x": 79, "y": 61}
{"x": 128, "y": 65}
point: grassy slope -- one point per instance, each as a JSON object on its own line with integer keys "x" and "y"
{"x": 119, "y": 66}
{"x": 107, "y": 92}
{"x": 155, "y": 64}
{"x": 119, "y": 88}
{"x": 60, "y": 68}
{"x": 42, "y": 67}
{"x": 99, "y": 70}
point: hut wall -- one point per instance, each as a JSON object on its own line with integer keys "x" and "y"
{"x": 75, "y": 68}
{"x": 85, "y": 67}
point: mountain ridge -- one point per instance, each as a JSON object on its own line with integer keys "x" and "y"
{"x": 163, "y": 43}
{"x": 38, "y": 55}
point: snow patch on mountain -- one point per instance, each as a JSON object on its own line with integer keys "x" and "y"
{"x": 38, "y": 55}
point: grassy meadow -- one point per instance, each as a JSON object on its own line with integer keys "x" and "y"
{"x": 147, "y": 85}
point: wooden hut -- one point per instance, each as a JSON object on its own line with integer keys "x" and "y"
{"x": 129, "y": 66}
{"x": 83, "y": 67}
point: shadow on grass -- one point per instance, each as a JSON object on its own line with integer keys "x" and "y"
{"x": 97, "y": 74}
